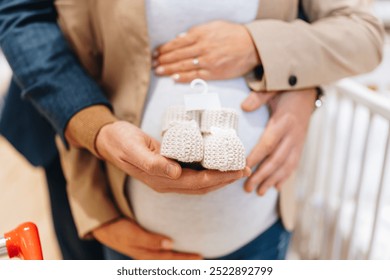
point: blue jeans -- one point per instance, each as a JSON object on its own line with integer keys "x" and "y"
{"x": 270, "y": 245}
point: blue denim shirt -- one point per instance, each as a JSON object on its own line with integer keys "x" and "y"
{"x": 49, "y": 85}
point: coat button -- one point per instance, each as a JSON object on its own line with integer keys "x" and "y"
{"x": 259, "y": 72}
{"x": 292, "y": 80}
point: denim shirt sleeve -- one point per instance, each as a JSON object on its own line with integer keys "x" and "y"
{"x": 44, "y": 66}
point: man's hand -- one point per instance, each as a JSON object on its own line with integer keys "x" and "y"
{"x": 130, "y": 239}
{"x": 213, "y": 51}
{"x": 279, "y": 148}
{"x": 133, "y": 151}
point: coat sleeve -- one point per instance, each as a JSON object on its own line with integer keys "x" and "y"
{"x": 44, "y": 67}
{"x": 341, "y": 39}
{"x": 88, "y": 190}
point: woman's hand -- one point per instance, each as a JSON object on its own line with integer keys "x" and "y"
{"x": 130, "y": 149}
{"x": 128, "y": 238}
{"x": 217, "y": 50}
{"x": 279, "y": 149}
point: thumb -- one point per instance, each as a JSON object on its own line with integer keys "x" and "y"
{"x": 153, "y": 241}
{"x": 256, "y": 99}
{"x": 154, "y": 164}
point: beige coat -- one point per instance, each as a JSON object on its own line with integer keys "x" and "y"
{"x": 111, "y": 41}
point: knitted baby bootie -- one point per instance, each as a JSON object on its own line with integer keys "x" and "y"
{"x": 223, "y": 150}
{"x": 182, "y": 139}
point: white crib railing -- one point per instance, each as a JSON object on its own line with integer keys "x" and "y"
{"x": 343, "y": 185}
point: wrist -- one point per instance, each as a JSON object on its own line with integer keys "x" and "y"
{"x": 101, "y": 139}
{"x": 310, "y": 98}
{"x": 83, "y": 128}
{"x": 254, "y": 57}
{"x": 97, "y": 232}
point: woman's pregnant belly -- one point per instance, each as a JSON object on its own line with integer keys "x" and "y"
{"x": 219, "y": 222}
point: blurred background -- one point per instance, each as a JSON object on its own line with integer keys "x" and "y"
{"x": 343, "y": 184}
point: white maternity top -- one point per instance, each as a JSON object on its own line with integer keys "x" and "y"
{"x": 222, "y": 221}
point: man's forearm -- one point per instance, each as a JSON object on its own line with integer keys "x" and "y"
{"x": 49, "y": 74}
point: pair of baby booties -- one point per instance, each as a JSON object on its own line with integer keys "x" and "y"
{"x": 208, "y": 137}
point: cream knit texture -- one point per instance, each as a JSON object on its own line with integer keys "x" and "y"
{"x": 223, "y": 150}
{"x": 182, "y": 139}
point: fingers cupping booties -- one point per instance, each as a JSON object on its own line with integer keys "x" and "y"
{"x": 209, "y": 137}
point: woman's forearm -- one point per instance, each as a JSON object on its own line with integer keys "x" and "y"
{"x": 341, "y": 40}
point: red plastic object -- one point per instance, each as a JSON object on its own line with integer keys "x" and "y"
{"x": 24, "y": 243}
